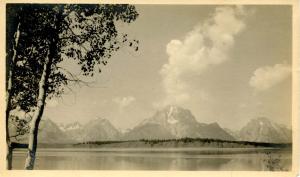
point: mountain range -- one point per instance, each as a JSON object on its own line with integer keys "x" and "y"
{"x": 175, "y": 122}
{"x": 168, "y": 123}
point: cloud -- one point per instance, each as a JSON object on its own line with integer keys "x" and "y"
{"x": 266, "y": 77}
{"x": 206, "y": 45}
{"x": 124, "y": 101}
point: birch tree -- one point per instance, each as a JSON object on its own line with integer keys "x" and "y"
{"x": 44, "y": 36}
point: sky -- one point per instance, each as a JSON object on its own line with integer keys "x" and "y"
{"x": 227, "y": 64}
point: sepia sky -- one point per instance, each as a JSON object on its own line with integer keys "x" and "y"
{"x": 227, "y": 64}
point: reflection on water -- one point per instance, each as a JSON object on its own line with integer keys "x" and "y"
{"x": 195, "y": 159}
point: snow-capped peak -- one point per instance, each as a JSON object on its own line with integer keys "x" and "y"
{"x": 170, "y": 118}
{"x": 172, "y": 108}
{"x": 74, "y": 126}
{"x": 71, "y": 126}
{"x": 125, "y": 130}
{"x": 264, "y": 130}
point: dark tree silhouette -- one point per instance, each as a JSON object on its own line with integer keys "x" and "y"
{"x": 39, "y": 37}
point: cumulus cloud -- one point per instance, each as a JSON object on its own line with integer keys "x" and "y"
{"x": 206, "y": 45}
{"x": 124, "y": 101}
{"x": 265, "y": 77}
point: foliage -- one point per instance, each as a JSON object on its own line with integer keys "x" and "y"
{"x": 273, "y": 162}
{"x": 19, "y": 126}
{"x": 86, "y": 34}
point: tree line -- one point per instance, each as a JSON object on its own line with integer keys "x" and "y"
{"x": 219, "y": 142}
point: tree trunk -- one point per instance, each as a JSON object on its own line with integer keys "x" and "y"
{"x": 34, "y": 124}
{"x": 8, "y": 98}
{"x": 9, "y": 157}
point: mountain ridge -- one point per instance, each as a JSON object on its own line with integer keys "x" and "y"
{"x": 261, "y": 129}
{"x": 175, "y": 122}
{"x": 167, "y": 123}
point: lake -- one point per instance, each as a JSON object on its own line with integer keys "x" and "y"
{"x": 208, "y": 159}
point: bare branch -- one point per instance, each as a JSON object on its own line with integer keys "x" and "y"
{"x": 74, "y": 78}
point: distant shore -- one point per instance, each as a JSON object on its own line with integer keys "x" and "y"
{"x": 170, "y": 143}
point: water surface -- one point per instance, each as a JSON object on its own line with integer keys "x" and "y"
{"x": 209, "y": 159}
